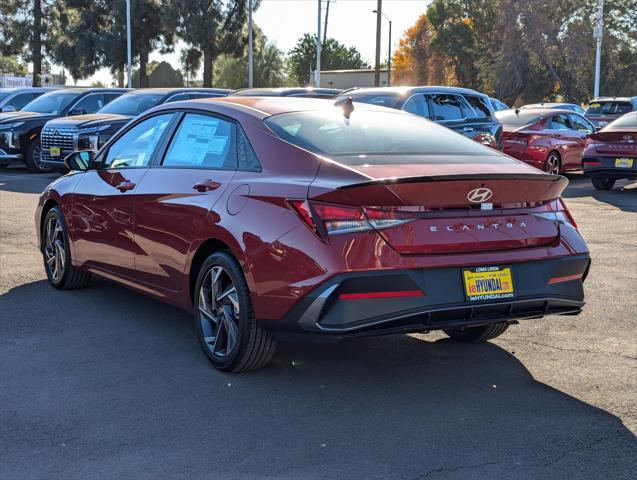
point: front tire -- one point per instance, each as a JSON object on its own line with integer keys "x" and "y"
{"x": 477, "y": 334}
{"x": 33, "y": 157}
{"x": 57, "y": 255}
{"x": 603, "y": 183}
{"x": 228, "y": 332}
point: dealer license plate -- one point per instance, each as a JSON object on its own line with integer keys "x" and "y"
{"x": 624, "y": 162}
{"x": 55, "y": 151}
{"x": 488, "y": 283}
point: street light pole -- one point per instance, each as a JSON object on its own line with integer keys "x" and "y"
{"x": 388, "y": 48}
{"x": 379, "y": 10}
{"x": 317, "y": 72}
{"x": 128, "y": 45}
{"x": 250, "y": 48}
{"x": 598, "y": 30}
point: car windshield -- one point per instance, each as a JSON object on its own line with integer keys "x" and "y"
{"x": 517, "y": 119}
{"x": 625, "y": 121}
{"x": 369, "y": 133}
{"x": 3, "y": 95}
{"x": 391, "y": 100}
{"x": 133, "y": 103}
{"x": 608, "y": 108}
{"x": 54, "y": 102}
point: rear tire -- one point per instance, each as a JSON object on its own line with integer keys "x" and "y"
{"x": 553, "y": 164}
{"x": 477, "y": 334}
{"x": 57, "y": 255}
{"x": 229, "y": 334}
{"x": 603, "y": 183}
{"x": 33, "y": 157}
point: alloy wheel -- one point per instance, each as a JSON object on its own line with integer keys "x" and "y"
{"x": 219, "y": 312}
{"x": 54, "y": 248}
{"x": 37, "y": 157}
{"x": 552, "y": 165}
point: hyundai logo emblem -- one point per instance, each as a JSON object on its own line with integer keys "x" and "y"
{"x": 56, "y": 132}
{"x": 479, "y": 195}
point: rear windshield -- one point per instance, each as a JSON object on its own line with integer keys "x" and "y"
{"x": 625, "y": 121}
{"x": 608, "y": 108}
{"x": 133, "y": 103}
{"x": 509, "y": 117}
{"x": 391, "y": 100}
{"x": 368, "y": 133}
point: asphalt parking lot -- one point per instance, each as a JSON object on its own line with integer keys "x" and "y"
{"x": 106, "y": 383}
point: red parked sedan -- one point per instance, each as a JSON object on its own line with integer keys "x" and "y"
{"x": 269, "y": 215}
{"x": 548, "y": 139}
{"x": 611, "y": 153}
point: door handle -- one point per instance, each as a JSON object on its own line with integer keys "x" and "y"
{"x": 125, "y": 186}
{"x": 206, "y": 185}
{"x": 467, "y": 129}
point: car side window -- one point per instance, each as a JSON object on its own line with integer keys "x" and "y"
{"x": 560, "y": 122}
{"x": 446, "y": 107}
{"x": 196, "y": 95}
{"x": 20, "y": 100}
{"x": 135, "y": 148}
{"x": 91, "y": 103}
{"x": 580, "y": 124}
{"x": 247, "y": 158}
{"x": 109, "y": 97}
{"x": 203, "y": 141}
{"x": 417, "y": 105}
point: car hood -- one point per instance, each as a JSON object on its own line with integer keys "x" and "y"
{"x": 89, "y": 120}
{"x": 10, "y": 117}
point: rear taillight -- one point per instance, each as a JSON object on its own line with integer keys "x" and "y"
{"x": 332, "y": 219}
{"x": 556, "y": 210}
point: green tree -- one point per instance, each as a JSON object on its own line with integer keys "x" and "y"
{"x": 190, "y": 60}
{"x": 22, "y": 32}
{"x": 214, "y": 27}
{"x": 11, "y": 64}
{"x": 334, "y": 56}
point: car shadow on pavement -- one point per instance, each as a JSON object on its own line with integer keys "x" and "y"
{"x": 106, "y": 383}
{"x": 20, "y": 180}
{"x": 622, "y": 196}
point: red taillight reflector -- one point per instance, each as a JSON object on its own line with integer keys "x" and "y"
{"x": 591, "y": 162}
{"x": 368, "y": 295}
{"x": 566, "y": 278}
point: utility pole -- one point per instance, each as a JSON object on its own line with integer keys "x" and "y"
{"x": 250, "y": 48}
{"x": 128, "y": 46}
{"x": 379, "y": 12}
{"x": 598, "y": 30}
{"x": 327, "y": 14}
{"x": 317, "y": 72}
{"x": 388, "y": 49}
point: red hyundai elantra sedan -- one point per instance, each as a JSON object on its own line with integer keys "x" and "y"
{"x": 548, "y": 139}
{"x": 266, "y": 216}
{"x": 611, "y": 153}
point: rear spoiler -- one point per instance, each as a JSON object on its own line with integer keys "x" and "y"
{"x": 547, "y": 177}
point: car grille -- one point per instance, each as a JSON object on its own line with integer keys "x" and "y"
{"x": 64, "y": 138}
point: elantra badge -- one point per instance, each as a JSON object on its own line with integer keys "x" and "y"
{"x": 628, "y": 138}
{"x": 479, "y": 195}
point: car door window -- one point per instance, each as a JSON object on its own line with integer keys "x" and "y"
{"x": 90, "y": 103}
{"x": 447, "y": 107}
{"x": 417, "y": 105}
{"x": 135, "y": 148}
{"x": 580, "y": 124}
{"x": 196, "y": 95}
{"x": 20, "y": 100}
{"x": 108, "y": 98}
{"x": 560, "y": 122}
{"x": 203, "y": 141}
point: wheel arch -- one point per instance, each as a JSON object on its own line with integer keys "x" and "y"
{"x": 207, "y": 248}
{"x": 46, "y": 207}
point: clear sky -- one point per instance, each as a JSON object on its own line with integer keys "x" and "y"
{"x": 350, "y": 21}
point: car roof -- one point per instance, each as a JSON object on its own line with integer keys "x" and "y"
{"x": 282, "y": 91}
{"x": 27, "y": 89}
{"x": 413, "y": 89}
{"x": 262, "y": 107}
{"x": 548, "y": 104}
{"x": 610, "y": 99}
{"x": 546, "y": 111}
{"x": 168, "y": 90}
{"x": 79, "y": 90}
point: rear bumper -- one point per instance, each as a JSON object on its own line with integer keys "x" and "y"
{"x": 340, "y": 308}
{"x": 606, "y": 168}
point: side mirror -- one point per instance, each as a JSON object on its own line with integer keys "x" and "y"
{"x": 8, "y": 108}
{"x": 79, "y": 161}
{"x": 77, "y": 111}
